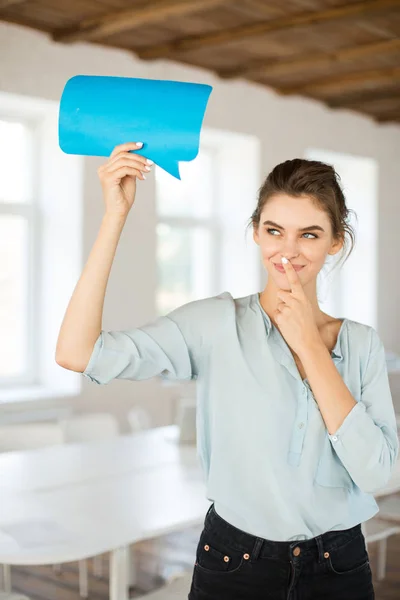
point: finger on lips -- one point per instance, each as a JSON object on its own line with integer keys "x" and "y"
{"x": 292, "y": 275}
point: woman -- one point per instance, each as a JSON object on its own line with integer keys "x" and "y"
{"x": 296, "y": 426}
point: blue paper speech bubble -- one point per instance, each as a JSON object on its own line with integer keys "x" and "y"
{"x": 97, "y": 113}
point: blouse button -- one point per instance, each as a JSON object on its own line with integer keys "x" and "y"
{"x": 334, "y": 438}
{"x": 206, "y": 547}
{"x": 326, "y": 554}
{"x": 246, "y": 556}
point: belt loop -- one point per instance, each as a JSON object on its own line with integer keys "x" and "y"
{"x": 257, "y": 549}
{"x": 209, "y": 510}
{"x": 321, "y": 557}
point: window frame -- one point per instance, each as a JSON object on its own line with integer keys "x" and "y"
{"x": 29, "y": 211}
{"x": 211, "y": 224}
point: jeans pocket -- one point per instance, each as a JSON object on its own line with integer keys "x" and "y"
{"x": 350, "y": 558}
{"x": 214, "y": 557}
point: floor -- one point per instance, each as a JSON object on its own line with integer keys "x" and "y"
{"x": 177, "y": 551}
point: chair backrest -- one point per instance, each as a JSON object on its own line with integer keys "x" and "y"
{"x": 139, "y": 419}
{"x": 11, "y": 596}
{"x": 186, "y": 420}
{"x": 90, "y": 427}
{"x": 29, "y": 436}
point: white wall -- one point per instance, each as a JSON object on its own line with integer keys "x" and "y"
{"x": 31, "y": 64}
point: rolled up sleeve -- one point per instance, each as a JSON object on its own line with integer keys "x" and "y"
{"x": 367, "y": 441}
{"x": 157, "y": 348}
{"x": 172, "y": 346}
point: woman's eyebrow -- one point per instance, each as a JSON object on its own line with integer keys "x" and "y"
{"x": 301, "y": 229}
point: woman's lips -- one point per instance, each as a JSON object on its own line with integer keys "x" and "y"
{"x": 281, "y": 268}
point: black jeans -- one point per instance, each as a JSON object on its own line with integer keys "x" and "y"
{"x": 234, "y": 565}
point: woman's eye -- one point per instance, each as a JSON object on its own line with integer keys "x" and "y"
{"x": 307, "y": 233}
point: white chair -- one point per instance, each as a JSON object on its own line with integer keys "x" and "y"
{"x": 26, "y": 436}
{"x": 139, "y": 419}
{"x": 6, "y": 596}
{"x": 389, "y": 508}
{"x": 379, "y": 530}
{"x": 398, "y": 421}
{"x": 175, "y": 589}
{"x": 88, "y": 427}
{"x": 29, "y": 436}
{"x": 186, "y": 420}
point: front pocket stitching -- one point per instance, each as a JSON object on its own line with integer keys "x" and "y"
{"x": 359, "y": 568}
{"x": 212, "y": 572}
{"x": 220, "y": 556}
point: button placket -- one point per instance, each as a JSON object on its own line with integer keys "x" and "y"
{"x": 299, "y": 429}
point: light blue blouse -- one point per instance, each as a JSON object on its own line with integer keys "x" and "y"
{"x": 271, "y": 468}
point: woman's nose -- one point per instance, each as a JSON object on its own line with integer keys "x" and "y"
{"x": 290, "y": 249}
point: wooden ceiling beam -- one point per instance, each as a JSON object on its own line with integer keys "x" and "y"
{"x": 390, "y": 111}
{"x": 379, "y": 108}
{"x": 265, "y": 8}
{"x": 7, "y": 3}
{"x": 309, "y": 61}
{"x": 226, "y": 36}
{"x": 393, "y": 117}
{"x": 359, "y": 98}
{"x": 338, "y": 83}
{"x": 123, "y": 20}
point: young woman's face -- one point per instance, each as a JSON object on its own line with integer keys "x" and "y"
{"x": 287, "y": 229}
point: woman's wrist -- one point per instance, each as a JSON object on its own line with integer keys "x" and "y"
{"x": 115, "y": 219}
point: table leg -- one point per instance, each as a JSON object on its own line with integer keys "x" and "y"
{"x": 83, "y": 579}
{"x": 118, "y": 574}
{"x": 7, "y": 578}
{"x": 131, "y": 566}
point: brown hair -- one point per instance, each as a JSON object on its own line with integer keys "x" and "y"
{"x": 301, "y": 177}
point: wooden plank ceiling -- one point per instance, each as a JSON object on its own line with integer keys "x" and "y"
{"x": 345, "y": 54}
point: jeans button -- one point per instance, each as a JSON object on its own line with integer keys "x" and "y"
{"x": 296, "y": 551}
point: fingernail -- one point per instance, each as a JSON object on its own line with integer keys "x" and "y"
{"x": 147, "y": 168}
{"x": 140, "y": 144}
{"x": 150, "y": 162}
{"x": 144, "y": 176}
{"x": 284, "y": 260}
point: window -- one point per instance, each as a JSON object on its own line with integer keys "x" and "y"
{"x": 201, "y": 229}
{"x": 41, "y": 204}
{"x": 187, "y": 232}
{"x": 17, "y": 252}
{"x": 340, "y": 289}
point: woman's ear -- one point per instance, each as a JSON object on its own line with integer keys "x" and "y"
{"x": 255, "y": 234}
{"x": 336, "y": 246}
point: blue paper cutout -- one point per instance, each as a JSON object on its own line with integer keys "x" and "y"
{"x": 97, "y": 113}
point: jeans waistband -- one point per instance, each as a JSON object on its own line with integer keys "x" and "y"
{"x": 259, "y": 547}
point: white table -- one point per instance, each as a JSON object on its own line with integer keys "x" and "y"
{"x": 75, "y": 501}
{"x": 51, "y": 513}
{"x": 65, "y": 465}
